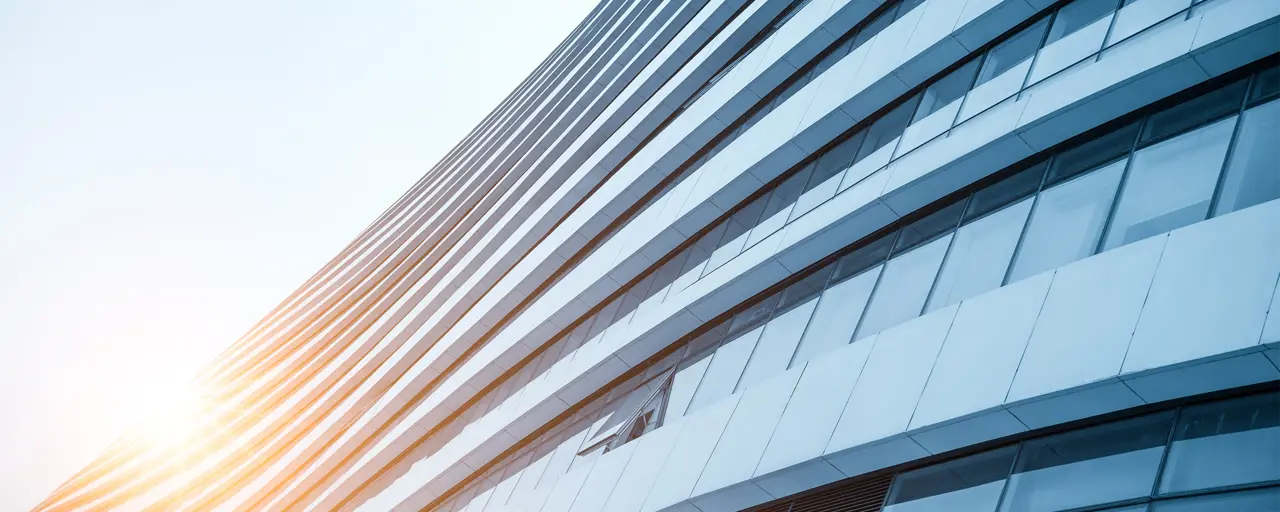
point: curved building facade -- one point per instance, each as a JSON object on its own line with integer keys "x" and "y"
{"x": 794, "y": 256}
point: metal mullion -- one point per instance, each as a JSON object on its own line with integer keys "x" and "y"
{"x": 924, "y": 308}
{"x": 1124, "y": 180}
{"x": 1004, "y": 490}
{"x": 1164, "y": 455}
{"x": 1026, "y": 225}
{"x": 874, "y": 287}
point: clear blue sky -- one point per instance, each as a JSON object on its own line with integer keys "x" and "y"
{"x": 169, "y": 171}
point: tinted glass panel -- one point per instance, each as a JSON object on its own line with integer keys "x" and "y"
{"x": 777, "y": 344}
{"x": 726, "y": 366}
{"x": 1077, "y": 15}
{"x": 863, "y": 258}
{"x": 802, "y": 290}
{"x": 1097, "y": 465}
{"x": 1011, "y": 53}
{"x": 1225, "y": 443}
{"x": 835, "y": 160}
{"x": 929, "y": 226}
{"x": 1170, "y": 184}
{"x": 947, "y": 89}
{"x": 903, "y": 287}
{"x": 1195, "y": 111}
{"x": 887, "y": 128}
{"x": 1266, "y": 84}
{"x": 971, "y": 483}
{"x": 1253, "y": 174}
{"x": 979, "y": 257}
{"x": 1006, "y": 191}
{"x": 1092, "y": 153}
{"x": 838, "y": 312}
{"x": 1261, "y": 500}
{"x": 1066, "y": 222}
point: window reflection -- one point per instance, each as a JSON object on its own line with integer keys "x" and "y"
{"x": 1102, "y": 464}
{"x": 969, "y": 484}
{"x": 1170, "y": 184}
{"x": 1225, "y": 443}
{"x": 903, "y": 287}
{"x": 1253, "y": 174}
{"x": 979, "y": 257}
{"x": 837, "y": 315}
{"x": 1010, "y": 53}
{"x": 1067, "y": 222}
{"x": 1077, "y": 15}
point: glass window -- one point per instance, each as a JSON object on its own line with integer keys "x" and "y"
{"x": 734, "y": 237}
{"x": 1195, "y": 111}
{"x": 835, "y": 160}
{"x": 838, "y": 312}
{"x": 887, "y": 128}
{"x": 1225, "y": 443}
{"x": 1006, "y": 191}
{"x": 930, "y": 226}
{"x": 1253, "y": 174}
{"x": 804, "y": 289}
{"x": 862, "y": 258}
{"x": 980, "y": 256}
{"x": 1010, "y": 53}
{"x": 903, "y": 288}
{"x": 1170, "y": 184}
{"x": 1261, "y": 500}
{"x": 947, "y": 89}
{"x": 972, "y": 483}
{"x": 754, "y": 314}
{"x": 1092, "y": 153}
{"x": 1066, "y": 222}
{"x": 1077, "y": 15}
{"x": 726, "y": 366}
{"x": 1107, "y": 463}
{"x": 874, "y": 27}
{"x": 1265, "y": 84}
{"x": 776, "y": 345}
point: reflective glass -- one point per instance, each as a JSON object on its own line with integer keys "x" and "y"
{"x": 929, "y": 226}
{"x": 874, "y": 27}
{"x": 726, "y": 366}
{"x": 837, "y": 315}
{"x": 1077, "y": 15}
{"x": 1005, "y": 191}
{"x": 887, "y": 128}
{"x": 862, "y": 258}
{"x": 1066, "y": 222}
{"x": 1225, "y": 443}
{"x": 1253, "y": 174}
{"x": 947, "y": 89}
{"x": 1011, "y": 53}
{"x": 1170, "y": 184}
{"x": 1092, "y": 466}
{"x": 1195, "y": 111}
{"x": 903, "y": 287}
{"x": 835, "y": 160}
{"x": 754, "y": 314}
{"x": 1260, "y": 500}
{"x": 980, "y": 256}
{"x": 1265, "y": 84}
{"x": 776, "y": 345}
{"x": 804, "y": 289}
{"x": 1092, "y": 153}
{"x": 969, "y": 484}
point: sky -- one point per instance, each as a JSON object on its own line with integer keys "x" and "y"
{"x": 169, "y": 171}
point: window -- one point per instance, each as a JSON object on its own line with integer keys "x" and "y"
{"x": 1170, "y": 184}
{"x": 1195, "y": 111}
{"x": 1077, "y": 15}
{"x": 971, "y": 483}
{"x": 1066, "y": 222}
{"x": 1261, "y": 500}
{"x": 1093, "y": 153}
{"x": 946, "y": 90}
{"x": 887, "y": 128}
{"x": 1102, "y": 464}
{"x": 1225, "y": 443}
{"x": 726, "y": 366}
{"x": 903, "y": 287}
{"x": 980, "y": 256}
{"x": 1011, "y": 53}
{"x": 1253, "y": 175}
{"x": 1006, "y": 191}
{"x": 837, "y": 315}
{"x": 1266, "y": 84}
{"x": 776, "y": 345}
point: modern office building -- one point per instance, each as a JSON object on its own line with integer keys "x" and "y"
{"x": 794, "y": 255}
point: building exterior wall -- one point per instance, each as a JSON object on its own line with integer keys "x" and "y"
{"x": 721, "y": 254}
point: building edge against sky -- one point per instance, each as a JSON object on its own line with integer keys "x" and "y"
{"x": 793, "y": 255}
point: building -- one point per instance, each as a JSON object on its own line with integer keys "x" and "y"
{"x": 800, "y": 255}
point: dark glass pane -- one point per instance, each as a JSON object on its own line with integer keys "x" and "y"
{"x": 702, "y": 249}
{"x": 1091, "y": 466}
{"x": 906, "y": 7}
{"x": 929, "y": 226}
{"x": 875, "y": 26}
{"x": 1006, "y": 191}
{"x": 1093, "y": 153}
{"x": 754, "y": 315}
{"x": 1077, "y": 15}
{"x": 888, "y": 127}
{"x": 1253, "y": 171}
{"x": 802, "y": 290}
{"x": 971, "y": 483}
{"x": 742, "y": 220}
{"x": 700, "y": 347}
{"x": 1010, "y": 53}
{"x": 1259, "y": 500}
{"x": 1231, "y": 442}
{"x": 1266, "y": 84}
{"x": 945, "y": 90}
{"x": 863, "y": 258}
{"x": 786, "y": 193}
{"x": 668, "y": 272}
{"x": 1195, "y": 111}
{"x": 603, "y": 319}
{"x": 835, "y": 160}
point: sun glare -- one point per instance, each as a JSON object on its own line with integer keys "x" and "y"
{"x": 172, "y": 418}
